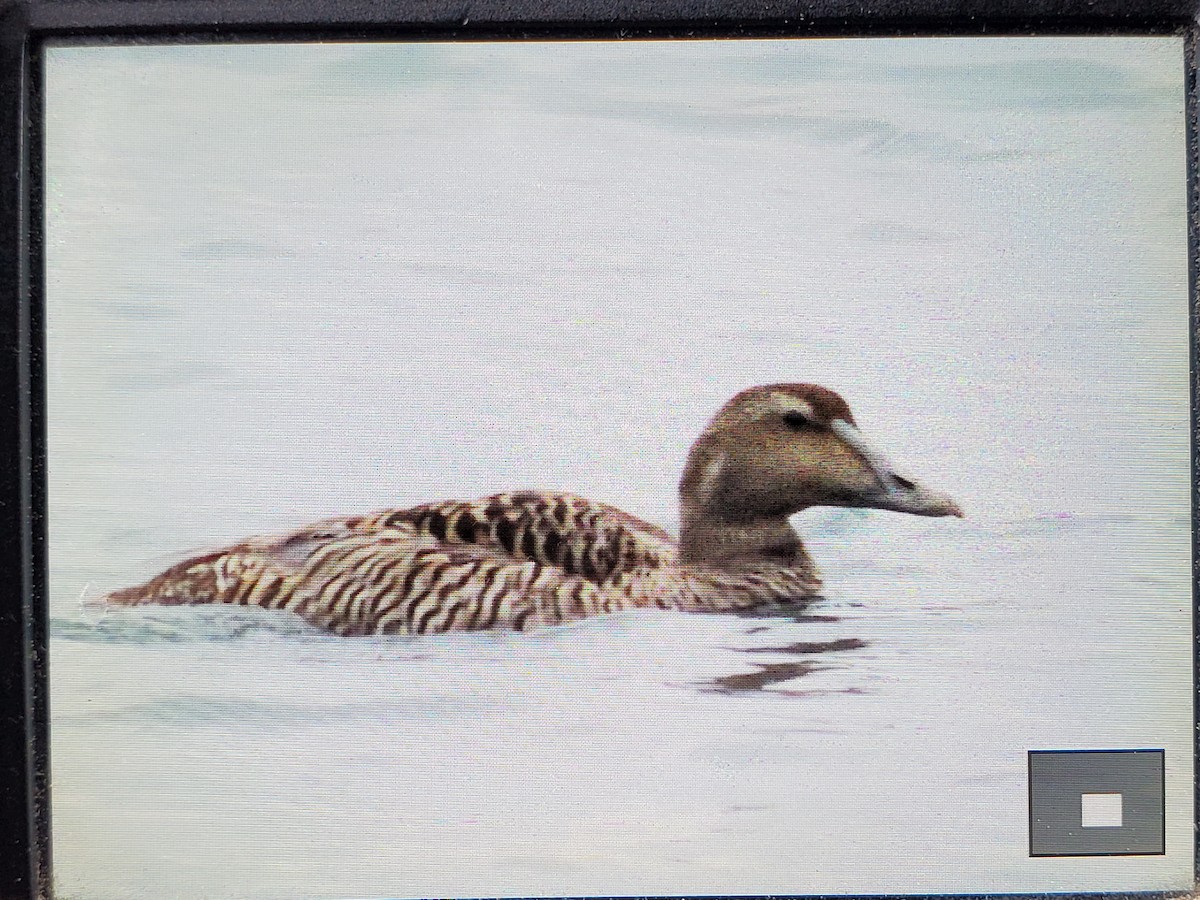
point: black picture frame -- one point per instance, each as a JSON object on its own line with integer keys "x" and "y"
{"x": 25, "y": 853}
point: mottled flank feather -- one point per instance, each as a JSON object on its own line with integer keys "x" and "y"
{"x": 506, "y": 561}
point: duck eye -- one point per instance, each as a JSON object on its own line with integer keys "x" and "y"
{"x": 797, "y": 421}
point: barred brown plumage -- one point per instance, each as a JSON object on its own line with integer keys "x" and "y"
{"x": 529, "y": 558}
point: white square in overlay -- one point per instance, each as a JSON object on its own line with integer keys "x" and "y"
{"x": 1101, "y": 810}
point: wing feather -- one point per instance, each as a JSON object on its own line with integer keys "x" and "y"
{"x": 582, "y": 537}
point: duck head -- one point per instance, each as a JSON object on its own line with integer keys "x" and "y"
{"x": 773, "y": 451}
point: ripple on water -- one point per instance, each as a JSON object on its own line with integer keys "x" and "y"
{"x": 767, "y": 674}
{"x": 705, "y": 650}
{"x": 164, "y": 624}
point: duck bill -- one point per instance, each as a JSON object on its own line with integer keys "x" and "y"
{"x": 917, "y": 501}
{"x": 893, "y": 491}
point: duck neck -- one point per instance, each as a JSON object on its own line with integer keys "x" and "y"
{"x": 708, "y": 538}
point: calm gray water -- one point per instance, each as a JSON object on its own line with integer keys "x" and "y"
{"x": 287, "y": 283}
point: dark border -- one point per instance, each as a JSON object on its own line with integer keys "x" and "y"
{"x": 23, "y": 732}
{"x": 25, "y": 24}
{"x": 1192, "y": 131}
{"x": 227, "y": 19}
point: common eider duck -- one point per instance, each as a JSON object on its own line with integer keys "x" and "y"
{"x": 518, "y": 560}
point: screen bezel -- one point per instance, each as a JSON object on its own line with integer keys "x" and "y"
{"x": 25, "y": 26}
